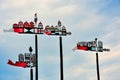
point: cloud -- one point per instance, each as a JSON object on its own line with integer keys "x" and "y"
{"x": 80, "y": 72}
{"x": 111, "y": 40}
{"x": 110, "y": 71}
{"x": 107, "y": 57}
{"x": 15, "y": 4}
{"x": 66, "y": 10}
{"x": 91, "y": 21}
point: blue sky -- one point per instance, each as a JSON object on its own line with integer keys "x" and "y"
{"x": 86, "y": 19}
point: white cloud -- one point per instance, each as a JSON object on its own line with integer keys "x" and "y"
{"x": 113, "y": 24}
{"x": 111, "y": 40}
{"x": 91, "y": 21}
{"x": 66, "y": 10}
{"x": 110, "y": 56}
{"x": 81, "y": 71}
{"x": 110, "y": 71}
{"x": 92, "y": 18}
{"x": 15, "y": 4}
{"x": 49, "y": 1}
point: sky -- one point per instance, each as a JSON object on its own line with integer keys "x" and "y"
{"x": 86, "y": 19}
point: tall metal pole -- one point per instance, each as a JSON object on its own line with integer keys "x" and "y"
{"x": 31, "y": 74}
{"x": 36, "y": 53}
{"x": 61, "y": 59}
{"x": 31, "y": 70}
{"x": 97, "y": 61}
{"x": 97, "y": 64}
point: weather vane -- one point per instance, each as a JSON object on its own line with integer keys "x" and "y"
{"x": 95, "y": 46}
{"x": 25, "y": 27}
{"x": 27, "y": 60}
{"x": 24, "y": 60}
{"x": 32, "y": 28}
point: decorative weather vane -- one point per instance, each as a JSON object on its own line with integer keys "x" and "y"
{"x": 32, "y": 28}
{"x": 95, "y": 46}
{"x": 57, "y": 30}
{"x": 60, "y": 31}
{"x": 26, "y": 60}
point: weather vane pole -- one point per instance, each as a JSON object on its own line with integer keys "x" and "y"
{"x": 97, "y": 61}
{"x": 60, "y": 31}
{"x": 36, "y": 47}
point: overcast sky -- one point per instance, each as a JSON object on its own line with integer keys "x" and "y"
{"x": 86, "y": 19}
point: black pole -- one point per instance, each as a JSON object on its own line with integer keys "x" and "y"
{"x": 31, "y": 70}
{"x": 61, "y": 59}
{"x": 36, "y": 53}
{"x": 97, "y": 64}
{"x": 31, "y": 74}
